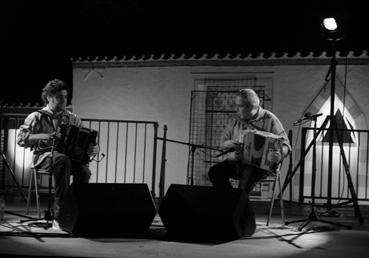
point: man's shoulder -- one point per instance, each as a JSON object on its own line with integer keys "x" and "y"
{"x": 73, "y": 118}
{"x": 233, "y": 120}
{"x": 42, "y": 112}
{"x": 265, "y": 113}
{"x": 33, "y": 115}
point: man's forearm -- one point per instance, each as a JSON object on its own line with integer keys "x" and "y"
{"x": 228, "y": 144}
{"x": 34, "y": 138}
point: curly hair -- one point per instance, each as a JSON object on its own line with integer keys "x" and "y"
{"x": 51, "y": 88}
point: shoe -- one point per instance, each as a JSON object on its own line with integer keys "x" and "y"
{"x": 56, "y": 225}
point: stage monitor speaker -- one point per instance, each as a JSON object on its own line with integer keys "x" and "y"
{"x": 204, "y": 213}
{"x": 113, "y": 210}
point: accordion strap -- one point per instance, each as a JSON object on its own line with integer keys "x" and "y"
{"x": 50, "y": 116}
{"x": 43, "y": 112}
{"x": 256, "y": 127}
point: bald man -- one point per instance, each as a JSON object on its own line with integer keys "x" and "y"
{"x": 250, "y": 116}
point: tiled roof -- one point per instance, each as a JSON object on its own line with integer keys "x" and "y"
{"x": 22, "y": 105}
{"x": 17, "y": 108}
{"x": 218, "y": 57}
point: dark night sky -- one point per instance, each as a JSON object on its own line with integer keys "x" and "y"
{"x": 41, "y": 36}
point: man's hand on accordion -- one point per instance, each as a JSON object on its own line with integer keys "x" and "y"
{"x": 93, "y": 150}
{"x": 233, "y": 146}
{"x": 274, "y": 156}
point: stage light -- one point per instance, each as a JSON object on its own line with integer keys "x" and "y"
{"x": 330, "y": 24}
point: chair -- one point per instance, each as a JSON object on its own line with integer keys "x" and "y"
{"x": 34, "y": 181}
{"x": 276, "y": 178}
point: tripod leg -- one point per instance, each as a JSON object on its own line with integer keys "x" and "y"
{"x": 349, "y": 181}
{"x": 295, "y": 221}
{"x": 304, "y": 224}
{"x": 311, "y": 217}
{"x": 334, "y": 223}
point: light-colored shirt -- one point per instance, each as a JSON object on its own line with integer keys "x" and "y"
{"x": 264, "y": 121}
{"x": 43, "y": 122}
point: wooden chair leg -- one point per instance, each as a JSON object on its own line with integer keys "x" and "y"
{"x": 31, "y": 180}
{"x": 271, "y": 203}
{"x": 37, "y": 195}
{"x": 281, "y": 202}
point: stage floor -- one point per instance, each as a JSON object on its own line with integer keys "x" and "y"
{"x": 315, "y": 240}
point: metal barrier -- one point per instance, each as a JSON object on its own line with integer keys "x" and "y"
{"x": 129, "y": 149}
{"x": 356, "y": 149}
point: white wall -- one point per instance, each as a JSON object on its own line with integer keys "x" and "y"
{"x": 162, "y": 94}
{"x": 153, "y": 94}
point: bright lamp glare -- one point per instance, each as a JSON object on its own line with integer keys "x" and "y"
{"x": 330, "y": 24}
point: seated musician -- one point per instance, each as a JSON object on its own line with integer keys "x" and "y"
{"x": 40, "y": 132}
{"x": 250, "y": 116}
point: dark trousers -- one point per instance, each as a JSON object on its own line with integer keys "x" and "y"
{"x": 65, "y": 204}
{"x": 248, "y": 176}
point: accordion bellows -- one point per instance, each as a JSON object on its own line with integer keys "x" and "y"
{"x": 257, "y": 145}
{"x": 75, "y": 142}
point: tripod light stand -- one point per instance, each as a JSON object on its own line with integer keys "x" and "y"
{"x": 331, "y": 26}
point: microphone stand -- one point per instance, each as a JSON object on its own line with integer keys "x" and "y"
{"x": 307, "y": 118}
{"x": 193, "y": 150}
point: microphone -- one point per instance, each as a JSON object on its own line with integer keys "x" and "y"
{"x": 307, "y": 116}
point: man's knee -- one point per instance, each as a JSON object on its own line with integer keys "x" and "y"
{"x": 217, "y": 171}
{"x": 250, "y": 178}
{"x": 83, "y": 175}
{"x": 61, "y": 159}
{"x": 213, "y": 172}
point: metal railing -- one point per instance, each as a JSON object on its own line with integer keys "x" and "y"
{"x": 356, "y": 150}
{"x": 128, "y": 151}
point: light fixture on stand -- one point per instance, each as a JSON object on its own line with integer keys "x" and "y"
{"x": 331, "y": 27}
{"x": 330, "y": 24}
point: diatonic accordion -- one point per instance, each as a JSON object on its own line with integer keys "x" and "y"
{"x": 74, "y": 142}
{"x": 257, "y": 145}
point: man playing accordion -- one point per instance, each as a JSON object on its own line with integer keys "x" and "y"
{"x": 250, "y": 116}
{"x": 40, "y": 132}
